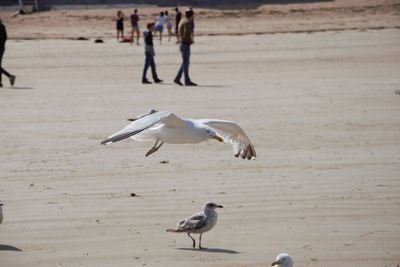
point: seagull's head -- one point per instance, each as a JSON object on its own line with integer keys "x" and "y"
{"x": 211, "y": 205}
{"x": 283, "y": 260}
{"x": 208, "y": 131}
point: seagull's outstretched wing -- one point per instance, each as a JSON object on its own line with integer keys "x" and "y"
{"x": 142, "y": 123}
{"x": 152, "y": 111}
{"x": 193, "y": 223}
{"x": 232, "y": 133}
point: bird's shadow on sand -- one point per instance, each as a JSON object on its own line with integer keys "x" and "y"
{"x": 212, "y": 250}
{"x": 9, "y": 248}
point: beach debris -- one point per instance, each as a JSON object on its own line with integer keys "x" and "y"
{"x": 99, "y": 41}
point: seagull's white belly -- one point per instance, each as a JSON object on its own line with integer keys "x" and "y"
{"x": 210, "y": 224}
{"x": 211, "y": 221}
{"x": 173, "y": 135}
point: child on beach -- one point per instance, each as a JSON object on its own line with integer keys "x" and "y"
{"x": 149, "y": 53}
{"x": 120, "y": 25}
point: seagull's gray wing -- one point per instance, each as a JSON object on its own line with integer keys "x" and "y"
{"x": 232, "y": 133}
{"x": 143, "y": 123}
{"x": 193, "y": 223}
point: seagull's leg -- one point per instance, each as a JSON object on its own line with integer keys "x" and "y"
{"x": 200, "y": 247}
{"x": 194, "y": 241}
{"x": 154, "y": 148}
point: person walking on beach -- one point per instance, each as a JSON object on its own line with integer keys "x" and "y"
{"x": 168, "y": 21}
{"x": 186, "y": 40}
{"x": 3, "y": 39}
{"x": 178, "y": 18}
{"x": 135, "y": 26}
{"x": 120, "y": 25}
{"x": 149, "y": 55}
{"x": 160, "y": 21}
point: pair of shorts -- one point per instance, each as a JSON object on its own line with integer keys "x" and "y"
{"x": 135, "y": 28}
{"x": 159, "y": 28}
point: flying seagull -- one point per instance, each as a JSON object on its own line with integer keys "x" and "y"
{"x": 283, "y": 260}
{"x": 198, "y": 223}
{"x": 166, "y": 127}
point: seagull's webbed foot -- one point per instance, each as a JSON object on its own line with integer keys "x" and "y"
{"x": 154, "y": 148}
{"x": 194, "y": 240}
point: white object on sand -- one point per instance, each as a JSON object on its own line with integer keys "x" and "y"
{"x": 166, "y": 127}
{"x": 198, "y": 223}
{"x": 283, "y": 260}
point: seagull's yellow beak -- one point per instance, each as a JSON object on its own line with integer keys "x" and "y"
{"x": 219, "y": 138}
{"x": 275, "y": 263}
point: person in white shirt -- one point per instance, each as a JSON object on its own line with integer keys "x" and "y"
{"x": 168, "y": 21}
{"x": 160, "y": 24}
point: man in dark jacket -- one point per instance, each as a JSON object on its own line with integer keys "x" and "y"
{"x": 3, "y": 39}
{"x": 186, "y": 40}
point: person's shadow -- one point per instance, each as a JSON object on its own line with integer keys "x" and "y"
{"x": 21, "y": 88}
{"x": 212, "y": 250}
{"x": 213, "y": 86}
{"x": 9, "y": 248}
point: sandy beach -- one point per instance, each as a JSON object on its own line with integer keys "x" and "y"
{"x": 319, "y": 107}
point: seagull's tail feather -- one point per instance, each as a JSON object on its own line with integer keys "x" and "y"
{"x": 173, "y": 230}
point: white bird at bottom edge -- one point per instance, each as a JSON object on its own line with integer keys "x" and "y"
{"x": 166, "y": 127}
{"x": 283, "y": 260}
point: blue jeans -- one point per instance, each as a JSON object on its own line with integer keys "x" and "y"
{"x": 185, "y": 52}
{"x": 149, "y": 62}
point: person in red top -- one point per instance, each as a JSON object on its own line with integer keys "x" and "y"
{"x": 135, "y": 26}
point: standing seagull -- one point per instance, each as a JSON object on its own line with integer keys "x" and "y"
{"x": 1, "y": 212}
{"x": 283, "y": 260}
{"x": 166, "y": 127}
{"x": 198, "y": 223}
